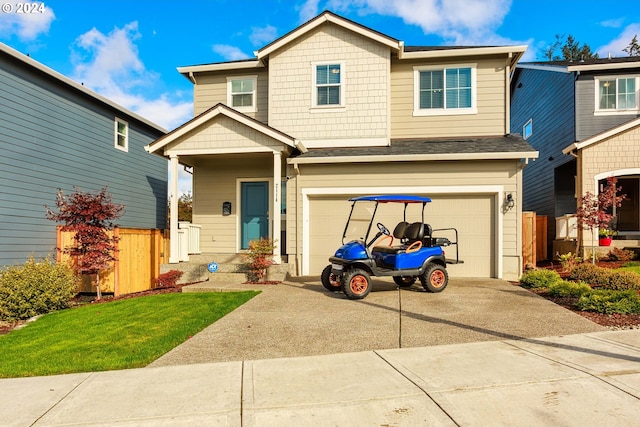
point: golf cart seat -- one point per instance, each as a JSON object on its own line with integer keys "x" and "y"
{"x": 408, "y": 234}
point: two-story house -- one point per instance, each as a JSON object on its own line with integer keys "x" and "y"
{"x": 57, "y": 134}
{"x": 583, "y": 118}
{"x": 334, "y": 109}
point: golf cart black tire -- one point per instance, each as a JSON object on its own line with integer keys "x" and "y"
{"x": 435, "y": 278}
{"x": 404, "y": 281}
{"x": 329, "y": 281}
{"x": 356, "y": 283}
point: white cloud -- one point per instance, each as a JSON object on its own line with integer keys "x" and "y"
{"x": 228, "y": 52}
{"x": 110, "y": 65}
{"x": 308, "y": 10}
{"x": 615, "y": 46}
{"x": 262, "y": 35}
{"x": 460, "y": 22}
{"x": 27, "y": 26}
{"x": 613, "y": 23}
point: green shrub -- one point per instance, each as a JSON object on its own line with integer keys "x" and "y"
{"x": 621, "y": 280}
{"x": 565, "y": 288}
{"x": 591, "y": 274}
{"x": 610, "y": 302}
{"x": 539, "y": 278}
{"x": 34, "y": 288}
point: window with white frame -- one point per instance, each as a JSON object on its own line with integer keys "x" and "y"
{"x": 328, "y": 87}
{"x": 241, "y": 93}
{"x": 617, "y": 94}
{"x": 445, "y": 90}
{"x": 121, "y": 134}
{"x": 527, "y": 129}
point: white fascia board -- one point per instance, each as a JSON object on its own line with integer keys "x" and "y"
{"x": 63, "y": 79}
{"x": 450, "y": 53}
{"x": 414, "y": 158}
{"x": 555, "y": 68}
{"x": 223, "y": 66}
{"x": 602, "y": 136}
{"x": 604, "y": 67}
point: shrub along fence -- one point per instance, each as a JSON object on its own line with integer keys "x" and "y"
{"x": 140, "y": 253}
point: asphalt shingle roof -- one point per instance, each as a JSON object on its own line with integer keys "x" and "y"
{"x": 492, "y": 144}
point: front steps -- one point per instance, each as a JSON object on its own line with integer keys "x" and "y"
{"x": 231, "y": 269}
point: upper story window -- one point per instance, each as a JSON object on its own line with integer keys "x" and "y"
{"x": 121, "y": 137}
{"x": 444, "y": 90}
{"x": 328, "y": 88}
{"x": 617, "y": 94}
{"x": 527, "y": 129}
{"x": 241, "y": 93}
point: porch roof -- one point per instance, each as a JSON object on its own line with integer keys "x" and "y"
{"x": 579, "y": 145}
{"x": 210, "y": 114}
{"x": 475, "y": 148}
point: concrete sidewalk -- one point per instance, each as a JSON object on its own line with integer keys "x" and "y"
{"x": 583, "y": 379}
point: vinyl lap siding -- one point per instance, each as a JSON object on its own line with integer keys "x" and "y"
{"x": 587, "y": 123}
{"x": 50, "y": 138}
{"x": 547, "y": 98}
{"x": 211, "y": 89}
{"x": 490, "y": 119}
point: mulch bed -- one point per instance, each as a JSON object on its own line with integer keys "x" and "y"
{"x": 613, "y": 321}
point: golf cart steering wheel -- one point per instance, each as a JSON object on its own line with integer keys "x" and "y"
{"x": 384, "y": 230}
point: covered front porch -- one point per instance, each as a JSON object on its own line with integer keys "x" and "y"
{"x": 239, "y": 182}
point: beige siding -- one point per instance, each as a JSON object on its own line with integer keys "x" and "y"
{"x": 225, "y": 133}
{"x": 490, "y": 119}
{"x": 461, "y": 208}
{"x": 211, "y": 89}
{"x": 216, "y": 180}
{"x": 366, "y": 86}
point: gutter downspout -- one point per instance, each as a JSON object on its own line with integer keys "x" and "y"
{"x": 507, "y": 95}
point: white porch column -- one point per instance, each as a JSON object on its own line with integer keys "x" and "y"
{"x": 174, "y": 256}
{"x": 277, "y": 178}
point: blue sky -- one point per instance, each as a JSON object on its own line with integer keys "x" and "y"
{"x": 128, "y": 50}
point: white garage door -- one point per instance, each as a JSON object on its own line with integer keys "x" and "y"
{"x": 472, "y": 215}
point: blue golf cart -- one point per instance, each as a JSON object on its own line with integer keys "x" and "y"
{"x": 410, "y": 253}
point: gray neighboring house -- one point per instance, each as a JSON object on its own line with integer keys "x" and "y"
{"x": 582, "y": 117}
{"x": 55, "y": 133}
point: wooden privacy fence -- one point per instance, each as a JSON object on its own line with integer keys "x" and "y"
{"x": 534, "y": 238}
{"x": 140, "y": 253}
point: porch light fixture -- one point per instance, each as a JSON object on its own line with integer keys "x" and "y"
{"x": 509, "y": 201}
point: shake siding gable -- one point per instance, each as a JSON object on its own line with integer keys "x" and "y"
{"x": 366, "y": 71}
{"x": 53, "y": 136}
{"x": 490, "y": 119}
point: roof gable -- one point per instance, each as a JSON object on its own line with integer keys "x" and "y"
{"x": 325, "y": 17}
{"x": 211, "y": 114}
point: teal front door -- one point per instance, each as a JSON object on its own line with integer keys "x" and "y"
{"x": 254, "y": 215}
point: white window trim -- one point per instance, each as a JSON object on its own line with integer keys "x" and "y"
{"x": 315, "y": 108}
{"x": 115, "y": 135}
{"x": 524, "y": 134}
{"x": 254, "y": 107}
{"x": 610, "y": 111}
{"x": 417, "y": 111}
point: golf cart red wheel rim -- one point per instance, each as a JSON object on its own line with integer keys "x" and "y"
{"x": 358, "y": 285}
{"x": 437, "y": 279}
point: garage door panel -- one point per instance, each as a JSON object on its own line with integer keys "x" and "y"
{"x": 472, "y": 215}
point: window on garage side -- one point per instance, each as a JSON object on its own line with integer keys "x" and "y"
{"x": 241, "y": 93}
{"x": 121, "y": 134}
{"x": 527, "y": 129}
{"x": 617, "y": 94}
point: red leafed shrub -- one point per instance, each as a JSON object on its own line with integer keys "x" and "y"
{"x": 168, "y": 279}
{"x": 260, "y": 256}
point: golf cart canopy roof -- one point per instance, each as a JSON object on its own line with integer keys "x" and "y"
{"x": 391, "y": 198}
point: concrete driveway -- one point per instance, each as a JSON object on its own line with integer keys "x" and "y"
{"x": 300, "y": 318}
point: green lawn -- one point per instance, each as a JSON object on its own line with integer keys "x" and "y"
{"x": 122, "y": 334}
{"x": 631, "y": 266}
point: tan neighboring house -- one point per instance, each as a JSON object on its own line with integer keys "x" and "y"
{"x": 334, "y": 109}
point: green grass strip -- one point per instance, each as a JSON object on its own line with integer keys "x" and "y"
{"x": 129, "y": 333}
